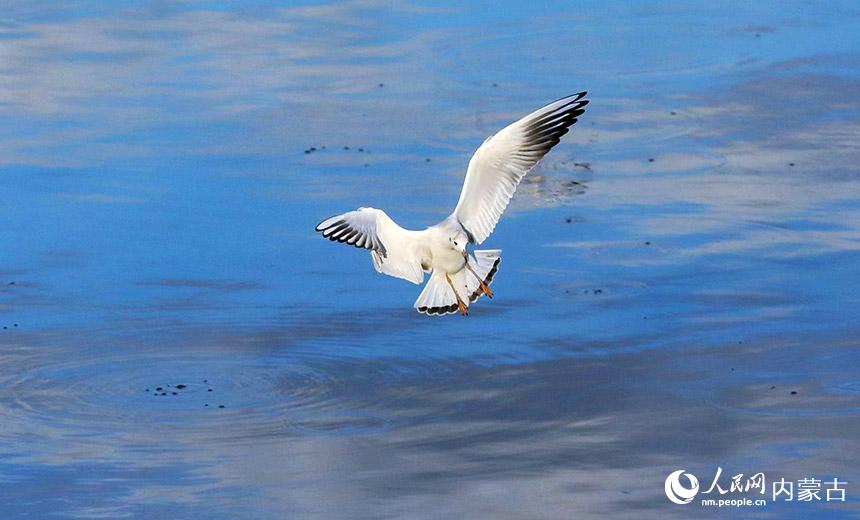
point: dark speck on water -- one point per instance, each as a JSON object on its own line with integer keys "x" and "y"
{"x": 650, "y": 159}
{"x": 794, "y": 392}
{"x": 181, "y": 386}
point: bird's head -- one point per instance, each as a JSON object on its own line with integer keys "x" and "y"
{"x": 459, "y": 241}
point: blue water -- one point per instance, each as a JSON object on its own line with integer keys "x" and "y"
{"x": 681, "y": 263}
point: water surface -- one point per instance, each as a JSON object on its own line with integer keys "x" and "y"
{"x": 678, "y": 287}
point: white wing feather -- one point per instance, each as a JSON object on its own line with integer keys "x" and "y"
{"x": 498, "y": 166}
{"x": 395, "y": 251}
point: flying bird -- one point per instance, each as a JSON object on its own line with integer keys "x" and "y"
{"x": 495, "y": 170}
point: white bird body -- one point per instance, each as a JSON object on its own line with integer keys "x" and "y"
{"x": 494, "y": 173}
{"x": 443, "y": 257}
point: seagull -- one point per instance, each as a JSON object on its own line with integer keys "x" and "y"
{"x": 495, "y": 170}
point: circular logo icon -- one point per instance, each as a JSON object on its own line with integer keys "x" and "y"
{"x": 676, "y": 491}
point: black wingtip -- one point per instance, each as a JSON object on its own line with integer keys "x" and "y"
{"x": 571, "y": 98}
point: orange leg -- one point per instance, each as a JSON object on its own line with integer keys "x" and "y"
{"x": 460, "y": 305}
{"x": 484, "y": 287}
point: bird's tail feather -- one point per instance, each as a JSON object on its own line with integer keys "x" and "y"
{"x": 485, "y": 263}
{"x": 438, "y": 298}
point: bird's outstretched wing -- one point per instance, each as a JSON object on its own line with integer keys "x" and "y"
{"x": 391, "y": 246}
{"x": 357, "y": 228}
{"x": 498, "y": 166}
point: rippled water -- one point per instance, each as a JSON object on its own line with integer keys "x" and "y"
{"x": 678, "y": 288}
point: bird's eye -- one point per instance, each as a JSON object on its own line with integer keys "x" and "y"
{"x": 455, "y": 242}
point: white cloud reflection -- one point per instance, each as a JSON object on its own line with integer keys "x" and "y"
{"x": 92, "y": 90}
